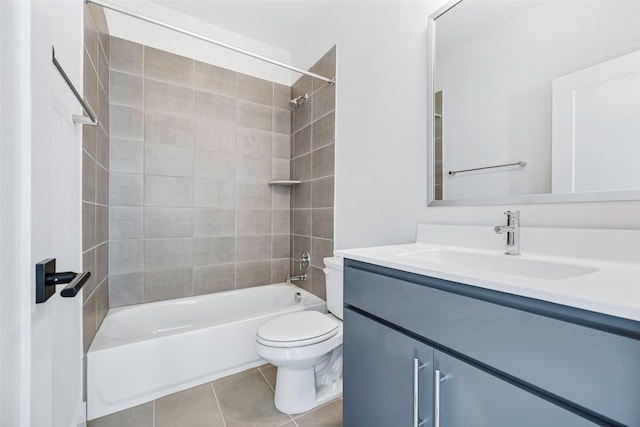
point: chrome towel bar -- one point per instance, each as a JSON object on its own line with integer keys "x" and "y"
{"x": 519, "y": 163}
{"x": 77, "y": 119}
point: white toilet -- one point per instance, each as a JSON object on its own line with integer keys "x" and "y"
{"x": 306, "y": 347}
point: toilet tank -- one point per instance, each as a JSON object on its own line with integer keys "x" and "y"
{"x": 333, "y": 273}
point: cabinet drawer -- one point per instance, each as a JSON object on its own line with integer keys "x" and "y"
{"x": 596, "y": 370}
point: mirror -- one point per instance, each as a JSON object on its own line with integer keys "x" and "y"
{"x": 534, "y": 102}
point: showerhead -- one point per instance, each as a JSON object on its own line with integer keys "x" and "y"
{"x": 295, "y": 103}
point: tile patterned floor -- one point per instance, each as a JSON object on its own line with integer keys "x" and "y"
{"x": 241, "y": 400}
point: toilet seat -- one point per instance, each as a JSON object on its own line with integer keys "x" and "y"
{"x": 297, "y": 329}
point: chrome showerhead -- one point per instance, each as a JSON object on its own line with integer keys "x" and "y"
{"x": 295, "y": 103}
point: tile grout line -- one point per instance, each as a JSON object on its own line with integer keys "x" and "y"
{"x": 311, "y": 126}
{"x": 193, "y": 178}
{"x": 288, "y": 422}
{"x": 317, "y": 408}
{"x": 144, "y": 174}
{"x": 273, "y": 209}
{"x": 265, "y": 378}
{"x": 291, "y": 419}
{"x": 215, "y": 396}
{"x": 235, "y": 183}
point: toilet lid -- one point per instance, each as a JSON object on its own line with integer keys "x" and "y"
{"x": 297, "y": 329}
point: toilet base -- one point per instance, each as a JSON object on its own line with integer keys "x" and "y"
{"x": 296, "y": 390}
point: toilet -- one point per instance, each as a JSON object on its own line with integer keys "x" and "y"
{"x": 306, "y": 347}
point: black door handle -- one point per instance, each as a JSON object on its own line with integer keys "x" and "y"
{"x": 47, "y": 279}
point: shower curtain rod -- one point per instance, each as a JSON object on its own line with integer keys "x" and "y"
{"x": 207, "y": 39}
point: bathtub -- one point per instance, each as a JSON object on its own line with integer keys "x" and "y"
{"x": 146, "y": 351}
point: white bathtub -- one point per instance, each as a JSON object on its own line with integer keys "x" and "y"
{"x": 146, "y": 351}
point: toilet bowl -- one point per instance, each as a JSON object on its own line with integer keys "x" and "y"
{"x": 306, "y": 347}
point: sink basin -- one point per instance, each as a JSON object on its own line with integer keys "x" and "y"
{"x": 500, "y": 263}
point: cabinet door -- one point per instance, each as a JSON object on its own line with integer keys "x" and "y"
{"x": 472, "y": 397}
{"x": 382, "y": 377}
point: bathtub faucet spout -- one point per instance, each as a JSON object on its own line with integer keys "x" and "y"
{"x": 302, "y": 276}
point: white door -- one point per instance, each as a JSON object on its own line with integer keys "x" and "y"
{"x": 40, "y": 214}
{"x": 596, "y": 128}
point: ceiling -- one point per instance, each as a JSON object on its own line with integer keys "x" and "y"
{"x": 278, "y": 23}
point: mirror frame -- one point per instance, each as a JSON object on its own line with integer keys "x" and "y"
{"x": 592, "y": 196}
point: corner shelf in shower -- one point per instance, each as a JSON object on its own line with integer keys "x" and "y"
{"x": 288, "y": 183}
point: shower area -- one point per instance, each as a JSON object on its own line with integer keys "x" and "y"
{"x": 179, "y": 196}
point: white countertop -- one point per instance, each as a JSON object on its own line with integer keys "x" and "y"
{"x": 613, "y": 288}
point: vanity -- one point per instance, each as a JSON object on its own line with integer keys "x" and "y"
{"x": 451, "y": 331}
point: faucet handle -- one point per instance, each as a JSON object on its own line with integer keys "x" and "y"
{"x": 305, "y": 261}
{"x": 514, "y": 214}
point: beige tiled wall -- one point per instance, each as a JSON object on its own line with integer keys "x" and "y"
{"x": 95, "y": 172}
{"x": 312, "y": 162}
{"x": 193, "y": 147}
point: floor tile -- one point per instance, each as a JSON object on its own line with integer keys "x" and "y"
{"x": 269, "y": 372}
{"x": 243, "y": 400}
{"x": 138, "y": 416}
{"x": 329, "y": 415}
{"x": 195, "y": 407}
{"x": 246, "y": 400}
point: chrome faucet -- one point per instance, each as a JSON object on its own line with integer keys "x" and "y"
{"x": 513, "y": 232}
{"x": 305, "y": 261}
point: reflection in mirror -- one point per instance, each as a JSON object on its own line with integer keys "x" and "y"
{"x": 535, "y": 97}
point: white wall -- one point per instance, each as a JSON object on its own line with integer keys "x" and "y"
{"x": 381, "y": 106}
{"x": 149, "y": 34}
{"x": 497, "y": 90}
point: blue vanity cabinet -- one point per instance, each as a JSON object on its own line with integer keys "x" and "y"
{"x": 508, "y": 360}
{"x": 389, "y": 376}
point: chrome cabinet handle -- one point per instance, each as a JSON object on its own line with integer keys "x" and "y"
{"x": 436, "y": 398}
{"x": 417, "y": 422}
{"x": 437, "y": 379}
